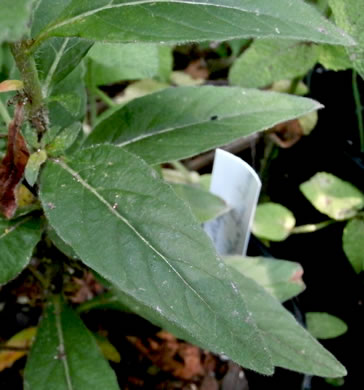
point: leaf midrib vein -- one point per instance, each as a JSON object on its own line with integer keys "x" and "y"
{"x": 128, "y": 224}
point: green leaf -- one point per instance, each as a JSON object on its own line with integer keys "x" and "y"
{"x": 34, "y": 163}
{"x": 131, "y": 92}
{"x": 14, "y": 17}
{"x": 191, "y": 20}
{"x": 280, "y": 278}
{"x": 334, "y": 57}
{"x": 353, "y": 243}
{"x": 325, "y": 326}
{"x": 64, "y": 140}
{"x": 273, "y": 222}
{"x": 336, "y": 382}
{"x": 291, "y": 346}
{"x": 18, "y": 239}
{"x": 60, "y": 244}
{"x": 68, "y": 101}
{"x": 56, "y": 57}
{"x": 115, "y": 62}
{"x": 204, "y": 205}
{"x": 268, "y": 60}
{"x": 199, "y": 118}
{"x": 332, "y": 196}
{"x": 349, "y": 15}
{"x": 107, "y": 349}
{"x": 65, "y": 355}
{"x": 157, "y": 254}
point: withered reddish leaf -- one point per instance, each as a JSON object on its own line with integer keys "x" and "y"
{"x": 13, "y": 164}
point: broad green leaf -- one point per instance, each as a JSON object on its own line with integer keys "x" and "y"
{"x": 64, "y": 140}
{"x": 65, "y": 355}
{"x": 157, "y": 254}
{"x": 204, "y": 205}
{"x": 131, "y": 92}
{"x": 353, "y": 243}
{"x": 178, "y": 21}
{"x": 273, "y": 222}
{"x": 280, "y": 278}
{"x": 199, "y": 118}
{"x": 14, "y": 17}
{"x": 60, "y": 244}
{"x": 290, "y": 344}
{"x": 349, "y": 15}
{"x": 324, "y": 325}
{"x": 332, "y": 196}
{"x": 68, "y": 101}
{"x": 18, "y": 239}
{"x": 22, "y": 339}
{"x": 115, "y": 62}
{"x": 334, "y": 57}
{"x": 34, "y": 163}
{"x": 57, "y": 57}
{"x": 270, "y": 60}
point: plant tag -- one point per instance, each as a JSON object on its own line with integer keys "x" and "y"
{"x": 239, "y": 186}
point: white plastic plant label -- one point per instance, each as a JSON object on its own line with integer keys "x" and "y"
{"x": 238, "y": 184}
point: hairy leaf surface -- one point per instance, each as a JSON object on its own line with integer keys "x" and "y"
{"x": 65, "y": 355}
{"x": 290, "y": 345}
{"x": 180, "y": 122}
{"x": 17, "y": 241}
{"x": 131, "y": 228}
{"x": 178, "y": 21}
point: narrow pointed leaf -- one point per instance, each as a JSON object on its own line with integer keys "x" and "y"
{"x": 130, "y": 227}
{"x": 65, "y": 355}
{"x": 290, "y": 345}
{"x": 17, "y": 241}
{"x": 180, "y": 122}
{"x": 179, "y": 21}
{"x": 281, "y": 278}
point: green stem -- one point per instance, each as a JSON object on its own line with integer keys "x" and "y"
{"x": 359, "y": 109}
{"x": 102, "y": 95}
{"x": 93, "y": 108}
{"x": 32, "y": 87}
{"x": 4, "y": 113}
{"x": 294, "y": 85}
{"x": 311, "y": 227}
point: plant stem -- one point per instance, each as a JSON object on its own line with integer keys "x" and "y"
{"x": 102, "y": 95}
{"x": 32, "y": 87}
{"x": 359, "y": 109}
{"x": 4, "y": 113}
{"x": 311, "y": 227}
